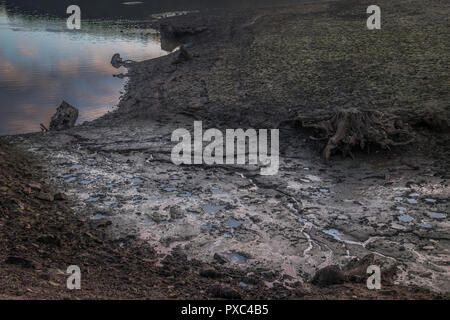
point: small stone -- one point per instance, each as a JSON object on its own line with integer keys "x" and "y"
{"x": 220, "y": 258}
{"x": 35, "y": 186}
{"x": 210, "y": 273}
{"x": 430, "y": 200}
{"x": 61, "y": 196}
{"x": 18, "y": 261}
{"x": 224, "y": 293}
{"x": 411, "y": 201}
{"x": 397, "y": 227}
{"x": 428, "y": 248}
{"x": 405, "y": 218}
{"x": 437, "y": 215}
{"x": 45, "y": 196}
{"x": 18, "y": 204}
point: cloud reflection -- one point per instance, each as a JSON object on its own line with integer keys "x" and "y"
{"x": 39, "y": 69}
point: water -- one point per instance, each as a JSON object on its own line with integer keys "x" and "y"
{"x": 43, "y": 63}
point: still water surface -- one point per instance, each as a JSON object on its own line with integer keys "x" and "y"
{"x": 43, "y": 63}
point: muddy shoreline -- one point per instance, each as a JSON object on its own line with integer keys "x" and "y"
{"x": 390, "y": 203}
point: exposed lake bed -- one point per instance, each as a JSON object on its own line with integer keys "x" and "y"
{"x": 283, "y": 228}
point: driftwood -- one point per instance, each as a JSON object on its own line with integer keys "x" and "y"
{"x": 351, "y": 127}
{"x": 43, "y": 128}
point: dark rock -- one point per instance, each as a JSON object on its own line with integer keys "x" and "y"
{"x": 17, "y": 261}
{"x": 220, "y": 258}
{"x": 64, "y": 118}
{"x": 45, "y": 196}
{"x": 328, "y": 276}
{"x": 437, "y": 121}
{"x": 35, "y": 186}
{"x": 210, "y": 273}
{"x": 116, "y": 61}
{"x": 49, "y": 240}
{"x": 61, "y": 196}
{"x": 224, "y": 293}
{"x": 181, "y": 56}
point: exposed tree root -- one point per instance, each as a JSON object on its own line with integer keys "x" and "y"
{"x": 349, "y": 128}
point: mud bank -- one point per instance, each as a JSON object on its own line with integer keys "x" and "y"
{"x": 393, "y": 204}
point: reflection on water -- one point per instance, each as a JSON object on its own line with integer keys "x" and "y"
{"x": 43, "y": 63}
{"x": 135, "y": 10}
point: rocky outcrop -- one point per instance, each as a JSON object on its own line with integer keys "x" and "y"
{"x": 64, "y": 118}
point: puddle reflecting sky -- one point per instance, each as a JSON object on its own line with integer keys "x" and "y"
{"x": 43, "y": 63}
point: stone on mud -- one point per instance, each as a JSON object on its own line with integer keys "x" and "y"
{"x": 328, "y": 276}
{"x": 224, "y": 292}
{"x": 64, "y": 118}
{"x": 210, "y": 273}
{"x": 45, "y": 196}
{"x": 61, "y": 196}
